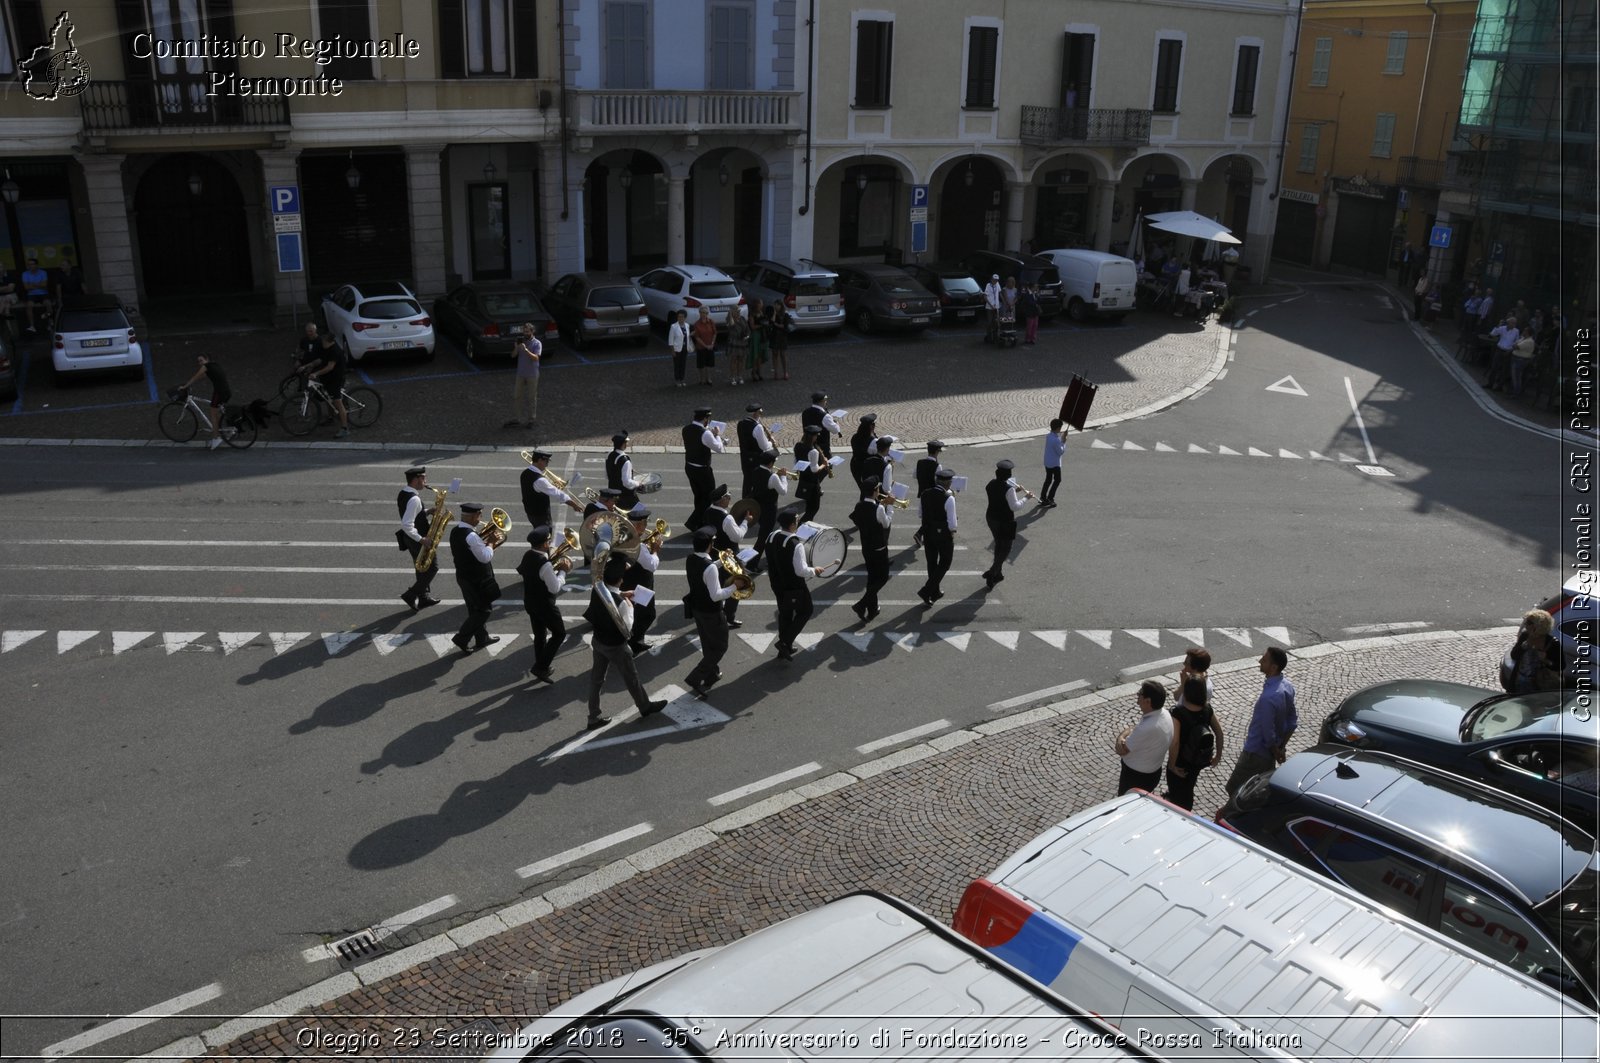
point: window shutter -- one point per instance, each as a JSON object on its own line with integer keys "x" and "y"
{"x": 27, "y": 21}
{"x": 524, "y": 39}
{"x": 452, "y": 39}
{"x": 866, "y": 62}
{"x": 982, "y": 42}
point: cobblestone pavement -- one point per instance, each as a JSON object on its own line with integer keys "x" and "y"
{"x": 943, "y": 384}
{"x": 919, "y": 823}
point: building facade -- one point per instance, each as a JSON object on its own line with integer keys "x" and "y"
{"x": 1376, "y": 94}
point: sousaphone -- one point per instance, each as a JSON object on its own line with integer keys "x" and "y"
{"x": 609, "y": 532}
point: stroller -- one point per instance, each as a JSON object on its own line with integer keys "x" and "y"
{"x": 1006, "y": 327}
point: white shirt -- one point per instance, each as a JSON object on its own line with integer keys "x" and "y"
{"x": 712, "y": 440}
{"x": 733, "y": 529}
{"x": 885, "y": 515}
{"x": 408, "y": 519}
{"x": 1149, "y": 742}
{"x": 950, "y": 509}
{"x": 713, "y": 580}
{"x": 627, "y": 470}
{"x": 801, "y": 569}
{"x": 543, "y": 485}
{"x": 778, "y": 483}
{"x": 479, "y": 548}
{"x": 1507, "y": 335}
{"x": 814, "y": 459}
{"x": 888, "y": 472}
{"x": 829, "y": 425}
{"x": 552, "y": 579}
{"x": 624, "y": 606}
{"x": 1183, "y": 282}
{"x": 648, "y": 559}
{"x": 678, "y": 337}
{"x": 991, "y": 295}
{"x": 1012, "y": 499}
{"x": 763, "y": 441}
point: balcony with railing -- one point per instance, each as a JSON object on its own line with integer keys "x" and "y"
{"x": 597, "y": 112}
{"x": 175, "y": 104}
{"x": 1053, "y": 126}
{"x": 1417, "y": 172}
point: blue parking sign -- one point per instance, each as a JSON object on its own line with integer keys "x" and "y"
{"x": 919, "y": 196}
{"x": 1440, "y": 236}
{"x": 289, "y": 253}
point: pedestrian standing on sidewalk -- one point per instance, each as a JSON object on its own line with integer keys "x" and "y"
{"x": 1505, "y": 336}
{"x": 1143, "y": 746}
{"x": 1196, "y": 665}
{"x": 528, "y": 352}
{"x": 1196, "y": 743}
{"x": 1055, "y": 448}
{"x": 991, "y": 306}
{"x": 1272, "y": 722}
{"x": 738, "y": 343}
{"x": 1419, "y": 296}
{"x": 679, "y": 343}
{"x": 704, "y": 334}
{"x": 1028, "y": 309}
{"x": 760, "y": 329}
{"x": 778, "y": 340}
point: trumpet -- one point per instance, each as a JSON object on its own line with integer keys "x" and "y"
{"x": 660, "y": 534}
{"x": 493, "y": 531}
{"x": 784, "y": 474}
{"x": 886, "y": 498}
{"x": 569, "y": 542}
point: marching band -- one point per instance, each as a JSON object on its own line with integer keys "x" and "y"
{"x": 623, "y": 549}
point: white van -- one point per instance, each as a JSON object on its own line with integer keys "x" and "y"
{"x": 1095, "y": 282}
{"x": 1199, "y": 944}
{"x": 867, "y": 977}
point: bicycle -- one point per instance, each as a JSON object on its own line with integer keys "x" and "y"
{"x": 181, "y": 417}
{"x": 312, "y": 405}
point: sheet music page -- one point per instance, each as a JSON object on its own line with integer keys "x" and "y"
{"x": 958, "y": 484}
{"x": 897, "y": 456}
{"x": 801, "y": 466}
{"x": 839, "y": 415}
{"x": 455, "y": 485}
{"x": 836, "y": 460}
{"x": 806, "y": 531}
{"x": 748, "y": 554}
{"x": 642, "y": 596}
{"x": 900, "y": 491}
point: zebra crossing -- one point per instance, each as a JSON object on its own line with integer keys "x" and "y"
{"x": 1222, "y": 450}
{"x": 99, "y": 643}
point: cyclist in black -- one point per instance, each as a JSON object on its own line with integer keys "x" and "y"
{"x": 328, "y": 368}
{"x": 220, "y": 394}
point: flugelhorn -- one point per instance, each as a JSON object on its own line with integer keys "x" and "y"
{"x": 887, "y": 498}
{"x": 493, "y": 531}
{"x": 660, "y": 534}
{"x": 569, "y": 542}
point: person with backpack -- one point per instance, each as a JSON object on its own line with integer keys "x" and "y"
{"x": 1196, "y": 742}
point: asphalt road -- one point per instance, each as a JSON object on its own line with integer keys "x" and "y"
{"x": 232, "y": 745}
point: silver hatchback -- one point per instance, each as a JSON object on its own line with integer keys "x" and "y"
{"x": 810, "y": 291}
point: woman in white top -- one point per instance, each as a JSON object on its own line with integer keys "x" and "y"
{"x": 679, "y": 342}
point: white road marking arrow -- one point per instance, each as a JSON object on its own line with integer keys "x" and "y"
{"x": 1099, "y": 638}
{"x": 1148, "y": 636}
{"x": 339, "y": 641}
{"x": 760, "y": 643}
{"x": 127, "y": 640}
{"x": 1058, "y": 639}
{"x": 1288, "y": 386}
{"x": 387, "y": 644}
{"x": 1276, "y": 634}
{"x": 1241, "y": 635}
{"x": 859, "y": 639}
{"x": 685, "y": 714}
{"x": 1008, "y": 639}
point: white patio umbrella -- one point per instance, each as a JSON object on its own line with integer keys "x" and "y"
{"x": 1188, "y": 223}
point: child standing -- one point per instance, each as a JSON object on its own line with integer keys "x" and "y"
{"x": 1055, "y": 447}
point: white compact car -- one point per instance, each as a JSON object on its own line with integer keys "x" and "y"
{"x": 94, "y": 332}
{"x": 383, "y": 316}
{"x": 672, "y": 288}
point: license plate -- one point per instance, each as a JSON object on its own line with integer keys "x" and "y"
{"x": 965, "y": 313}
{"x": 919, "y": 321}
{"x": 616, "y": 331}
{"x": 818, "y": 307}
{"x": 397, "y": 345}
{"x": 94, "y": 343}
{"x": 1108, "y": 302}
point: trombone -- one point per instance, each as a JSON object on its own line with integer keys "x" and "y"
{"x": 560, "y": 485}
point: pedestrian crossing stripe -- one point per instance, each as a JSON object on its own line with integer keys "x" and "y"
{"x": 1166, "y": 449}
{"x": 350, "y": 643}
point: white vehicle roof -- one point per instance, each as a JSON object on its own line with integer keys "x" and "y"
{"x": 1241, "y": 932}
{"x": 694, "y": 272}
{"x": 862, "y": 967}
{"x": 1086, "y": 255}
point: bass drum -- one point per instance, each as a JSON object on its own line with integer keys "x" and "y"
{"x": 826, "y": 548}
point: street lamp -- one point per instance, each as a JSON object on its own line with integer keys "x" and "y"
{"x": 626, "y": 180}
{"x": 722, "y": 175}
{"x": 352, "y": 176}
{"x": 195, "y": 185}
{"x": 489, "y": 171}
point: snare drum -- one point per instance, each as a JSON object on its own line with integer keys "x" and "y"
{"x": 826, "y": 549}
{"x": 649, "y": 483}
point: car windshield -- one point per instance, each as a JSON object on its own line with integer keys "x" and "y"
{"x": 896, "y": 286}
{"x": 510, "y": 304}
{"x": 1505, "y": 714}
{"x": 1045, "y": 275}
{"x": 619, "y": 296}
{"x": 804, "y": 286}
{"x": 388, "y": 309}
{"x": 91, "y": 321}
{"x": 960, "y": 284}
{"x": 713, "y": 290}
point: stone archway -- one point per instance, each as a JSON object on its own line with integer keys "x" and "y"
{"x": 624, "y": 212}
{"x": 193, "y": 237}
{"x": 861, "y": 206}
{"x": 972, "y": 209}
{"x": 724, "y": 208}
{"x": 1226, "y": 191}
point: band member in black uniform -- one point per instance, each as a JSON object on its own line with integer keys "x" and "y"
{"x": 861, "y": 447}
{"x": 730, "y": 534}
{"x": 926, "y": 468}
{"x": 642, "y": 573}
{"x": 754, "y": 446}
{"x": 788, "y": 571}
{"x": 769, "y": 492}
{"x": 610, "y": 613}
{"x": 1005, "y": 502}
{"x": 619, "y": 472}
{"x": 817, "y": 414}
{"x": 872, "y": 518}
{"x": 415, "y": 519}
{"x": 606, "y": 501}
{"x": 542, "y": 580}
{"x": 879, "y": 465}
{"x": 474, "y": 561}
{"x": 809, "y": 487}
{"x": 938, "y": 532}
{"x": 538, "y": 491}
{"x": 700, "y": 441}
{"x": 708, "y": 589}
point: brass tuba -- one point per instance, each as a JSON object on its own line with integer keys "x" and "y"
{"x": 743, "y": 585}
{"x": 608, "y": 531}
{"x": 493, "y": 531}
{"x": 440, "y": 521}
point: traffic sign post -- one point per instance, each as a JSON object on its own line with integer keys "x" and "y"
{"x": 919, "y": 219}
{"x": 284, "y": 202}
{"x": 1440, "y": 236}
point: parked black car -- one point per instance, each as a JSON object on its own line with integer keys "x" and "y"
{"x": 1027, "y": 269}
{"x": 484, "y": 317}
{"x": 885, "y": 297}
{"x": 960, "y": 297}
{"x": 1544, "y": 747}
{"x": 1500, "y": 875}
{"x": 597, "y": 306}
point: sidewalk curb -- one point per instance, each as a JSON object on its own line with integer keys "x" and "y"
{"x": 1224, "y": 335}
{"x": 573, "y": 891}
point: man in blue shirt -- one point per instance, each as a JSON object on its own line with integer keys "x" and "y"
{"x": 1272, "y": 721}
{"x": 1055, "y": 448}
{"x": 35, "y": 292}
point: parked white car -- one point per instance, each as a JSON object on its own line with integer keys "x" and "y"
{"x": 672, "y": 288}
{"x": 381, "y": 316}
{"x": 93, "y": 332}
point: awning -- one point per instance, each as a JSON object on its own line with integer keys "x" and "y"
{"x": 1188, "y": 223}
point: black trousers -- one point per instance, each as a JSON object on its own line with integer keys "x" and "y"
{"x": 680, "y": 364}
{"x": 1004, "y": 537}
{"x": 712, "y": 628}
{"x": 549, "y": 632}
{"x": 812, "y": 497}
{"x": 1144, "y": 780}
{"x": 877, "y": 576}
{"x": 424, "y": 581}
{"x": 644, "y": 618}
{"x": 702, "y": 481}
{"x": 1180, "y": 788}
{"x": 604, "y": 658}
{"x": 794, "y": 610}
{"x": 480, "y": 606}
{"x": 940, "y": 546}
{"x": 1052, "y": 482}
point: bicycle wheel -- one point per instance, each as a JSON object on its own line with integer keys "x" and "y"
{"x": 301, "y": 414}
{"x": 364, "y": 405}
{"x": 241, "y": 431}
{"x": 290, "y": 387}
{"x": 178, "y": 422}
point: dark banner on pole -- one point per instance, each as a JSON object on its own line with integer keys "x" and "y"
{"x": 1079, "y": 397}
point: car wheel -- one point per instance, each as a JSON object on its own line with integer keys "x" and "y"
{"x": 471, "y": 351}
{"x": 864, "y": 319}
{"x": 580, "y": 340}
{"x": 1077, "y": 311}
